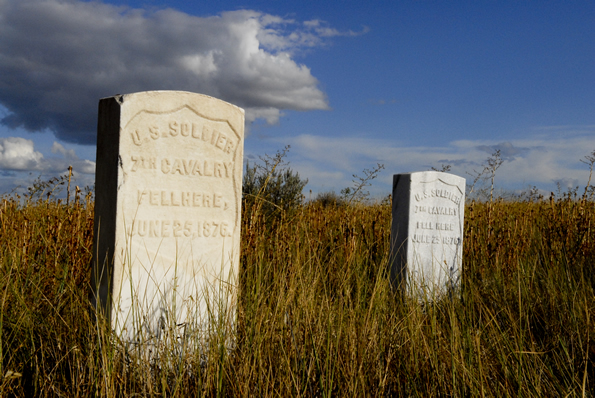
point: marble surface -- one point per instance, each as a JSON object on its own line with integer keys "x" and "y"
{"x": 167, "y": 215}
{"x": 427, "y": 232}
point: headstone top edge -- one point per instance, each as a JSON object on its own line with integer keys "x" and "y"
{"x": 429, "y": 172}
{"x": 150, "y": 93}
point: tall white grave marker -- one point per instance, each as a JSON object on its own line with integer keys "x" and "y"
{"x": 167, "y": 212}
{"x": 427, "y": 233}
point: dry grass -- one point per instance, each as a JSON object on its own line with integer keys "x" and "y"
{"x": 316, "y": 314}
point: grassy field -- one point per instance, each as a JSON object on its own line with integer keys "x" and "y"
{"x": 316, "y": 315}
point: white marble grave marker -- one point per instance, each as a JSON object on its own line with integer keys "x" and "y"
{"x": 427, "y": 233}
{"x": 167, "y": 212}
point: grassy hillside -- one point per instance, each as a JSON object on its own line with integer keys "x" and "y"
{"x": 316, "y": 314}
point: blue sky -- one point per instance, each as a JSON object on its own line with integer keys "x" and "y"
{"x": 348, "y": 84}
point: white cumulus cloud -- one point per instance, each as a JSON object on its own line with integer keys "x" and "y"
{"x": 19, "y": 154}
{"x": 59, "y": 57}
{"x": 69, "y": 158}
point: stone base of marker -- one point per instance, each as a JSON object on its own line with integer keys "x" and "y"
{"x": 427, "y": 233}
{"x": 167, "y": 214}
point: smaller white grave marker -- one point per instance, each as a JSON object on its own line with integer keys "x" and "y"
{"x": 427, "y": 233}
